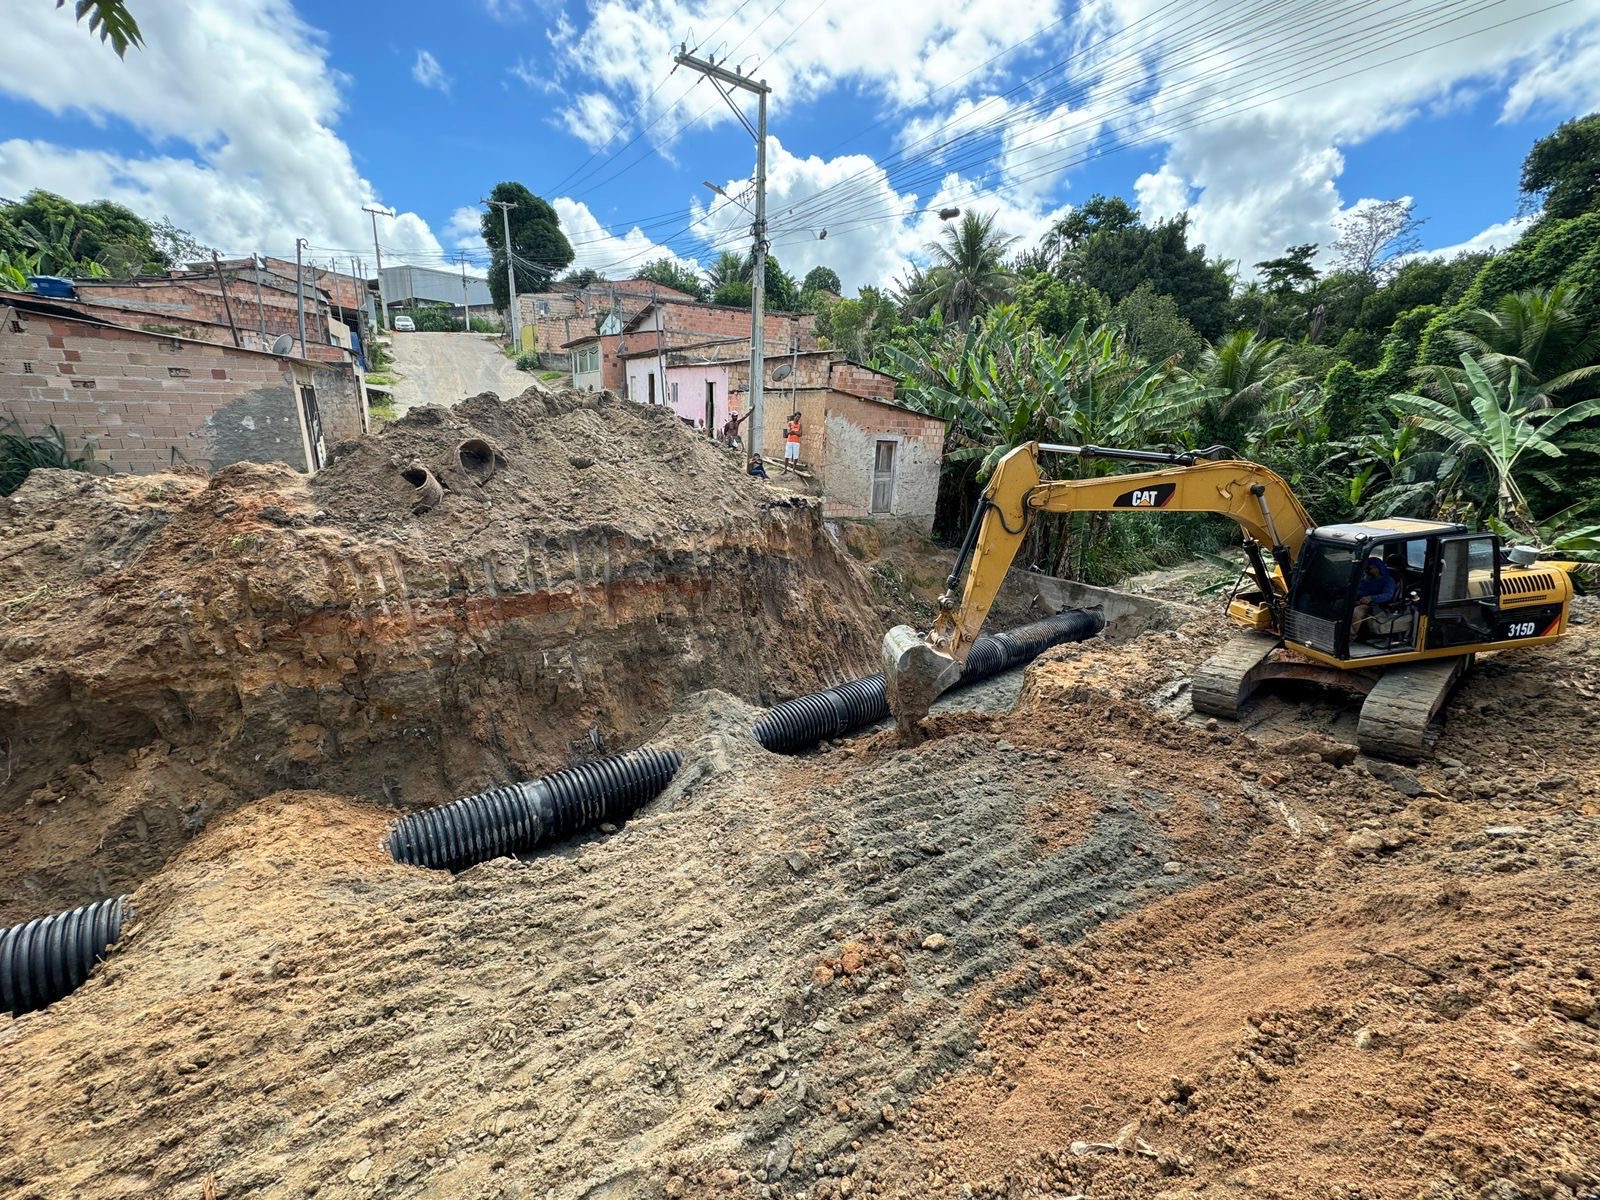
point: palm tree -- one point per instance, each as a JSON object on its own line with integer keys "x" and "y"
{"x": 1493, "y": 425}
{"x": 729, "y": 267}
{"x": 968, "y": 273}
{"x": 1539, "y": 333}
{"x": 1249, "y": 376}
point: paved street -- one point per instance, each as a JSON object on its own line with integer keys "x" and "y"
{"x": 441, "y": 368}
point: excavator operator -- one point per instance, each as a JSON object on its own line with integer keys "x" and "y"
{"x": 1377, "y": 587}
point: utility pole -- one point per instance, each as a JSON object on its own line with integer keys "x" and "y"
{"x": 758, "y": 231}
{"x": 300, "y": 291}
{"x": 383, "y": 305}
{"x": 261, "y": 311}
{"x": 466, "y": 306}
{"x": 505, "y": 207}
{"x": 227, "y": 306}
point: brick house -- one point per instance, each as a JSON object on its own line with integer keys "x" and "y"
{"x": 550, "y": 320}
{"x": 146, "y": 401}
{"x": 873, "y": 458}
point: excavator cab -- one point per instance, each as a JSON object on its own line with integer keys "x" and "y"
{"x": 1446, "y": 593}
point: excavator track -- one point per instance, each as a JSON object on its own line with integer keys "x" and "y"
{"x": 1228, "y": 678}
{"x": 1399, "y": 717}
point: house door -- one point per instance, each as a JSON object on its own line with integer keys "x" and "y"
{"x": 883, "y": 467}
{"x": 711, "y": 408}
{"x": 313, "y": 421}
{"x": 650, "y": 385}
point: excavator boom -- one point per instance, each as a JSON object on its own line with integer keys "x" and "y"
{"x": 917, "y": 668}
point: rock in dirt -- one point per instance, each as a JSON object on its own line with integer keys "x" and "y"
{"x": 935, "y": 942}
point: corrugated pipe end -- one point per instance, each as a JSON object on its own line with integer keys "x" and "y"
{"x": 47, "y": 958}
{"x": 523, "y": 816}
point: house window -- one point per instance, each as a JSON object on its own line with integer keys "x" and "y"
{"x": 674, "y": 395}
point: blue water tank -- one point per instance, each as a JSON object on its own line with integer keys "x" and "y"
{"x": 53, "y": 286}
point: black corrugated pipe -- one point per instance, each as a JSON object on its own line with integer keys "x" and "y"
{"x": 801, "y": 723}
{"x": 1026, "y": 642}
{"x": 522, "y": 816}
{"x": 44, "y": 959}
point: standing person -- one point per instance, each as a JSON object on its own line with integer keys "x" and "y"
{"x": 791, "y": 443}
{"x": 730, "y": 432}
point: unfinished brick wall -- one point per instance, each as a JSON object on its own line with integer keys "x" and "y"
{"x": 148, "y": 402}
{"x": 171, "y": 304}
{"x": 845, "y": 376}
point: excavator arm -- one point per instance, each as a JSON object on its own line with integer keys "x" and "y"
{"x": 917, "y": 669}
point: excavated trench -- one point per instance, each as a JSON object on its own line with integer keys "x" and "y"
{"x": 172, "y": 647}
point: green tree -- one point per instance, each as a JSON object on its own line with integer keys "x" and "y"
{"x": 1246, "y": 375}
{"x": 580, "y": 278}
{"x": 669, "y": 274}
{"x": 1494, "y": 426}
{"x": 860, "y": 326}
{"x": 1098, "y": 214}
{"x": 822, "y": 279}
{"x": 736, "y": 293}
{"x": 111, "y": 20}
{"x": 1561, "y": 174}
{"x": 1118, "y": 259}
{"x": 1155, "y": 328}
{"x": 74, "y": 239}
{"x": 968, "y": 274}
{"x": 1341, "y": 400}
{"x": 1292, "y": 271}
{"x": 539, "y": 250}
{"x": 1539, "y": 334}
{"x": 729, "y": 267}
{"x": 1056, "y": 305}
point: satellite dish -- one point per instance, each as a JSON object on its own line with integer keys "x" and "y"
{"x": 782, "y": 371}
{"x": 283, "y": 344}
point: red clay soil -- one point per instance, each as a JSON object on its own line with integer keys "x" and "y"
{"x": 172, "y": 646}
{"x": 1089, "y": 947}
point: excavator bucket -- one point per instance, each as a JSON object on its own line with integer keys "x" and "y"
{"x": 914, "y": 676}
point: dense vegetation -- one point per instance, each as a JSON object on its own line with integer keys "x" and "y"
{"x": 1378, "y": 382}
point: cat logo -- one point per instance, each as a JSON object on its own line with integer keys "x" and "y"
{"x": 1146, "y": 497}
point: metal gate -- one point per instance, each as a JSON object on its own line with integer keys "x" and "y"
{"x": 313, "y": 420}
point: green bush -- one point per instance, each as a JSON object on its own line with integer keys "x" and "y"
{"x": 21, "y": 452}
{"x": 528, "y": 360}
{"x": 486, "y": 325}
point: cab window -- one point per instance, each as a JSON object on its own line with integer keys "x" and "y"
{"x": 1466, "y": 570}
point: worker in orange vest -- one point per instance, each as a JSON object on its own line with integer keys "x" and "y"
{"x": 791, "y": 442}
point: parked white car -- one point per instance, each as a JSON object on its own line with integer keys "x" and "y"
{"x": 404, "y": 325}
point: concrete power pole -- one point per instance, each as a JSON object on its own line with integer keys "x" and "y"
{"x": 758, "y": 231}
{"x": 505, "y": 207}
{"x": 300, "y": 291}
{"x": 466, "y": 306}
{"x": 383, "y": 304}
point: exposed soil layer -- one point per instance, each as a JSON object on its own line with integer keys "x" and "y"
{"x": 171, "y": 646}
{"x": 1085, "y": 947}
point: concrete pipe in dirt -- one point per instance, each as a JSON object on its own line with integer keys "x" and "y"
{"x": 45, "y": 959}
{"x": 521, "y": 817}
{"x": 429, "y": 491}
{"x": 801, "y": 723}
{"x": 476, "y": 458}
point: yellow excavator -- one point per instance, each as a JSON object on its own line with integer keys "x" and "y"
{"x": 1436, "y": 593}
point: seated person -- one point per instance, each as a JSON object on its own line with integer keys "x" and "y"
{"x": 757, "y": 467}
{"x": 1377, "y": 588}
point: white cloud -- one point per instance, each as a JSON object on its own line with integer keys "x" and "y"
{"x": 903, "y": 49}
{"x": 465, "y": 229}
{"x": 427, "y": 71}
{"x": 592, "y": 117}
{"x": 1254, "y": 148}
{"x": 1496, "y": 237}
{"x": 595, "y": 246}
{"x": 874, "y": 231}
{"x": 241, "y": 102}
{"x": 504, "y": 10}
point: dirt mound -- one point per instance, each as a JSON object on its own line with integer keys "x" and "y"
{"x": 1084, "y": 948}
{"x": 171, "y": 645}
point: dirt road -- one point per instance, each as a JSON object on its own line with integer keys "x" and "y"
{"x": 441, "y": 368}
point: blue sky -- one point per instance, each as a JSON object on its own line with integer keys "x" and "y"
{"x": 253, "y": 122}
